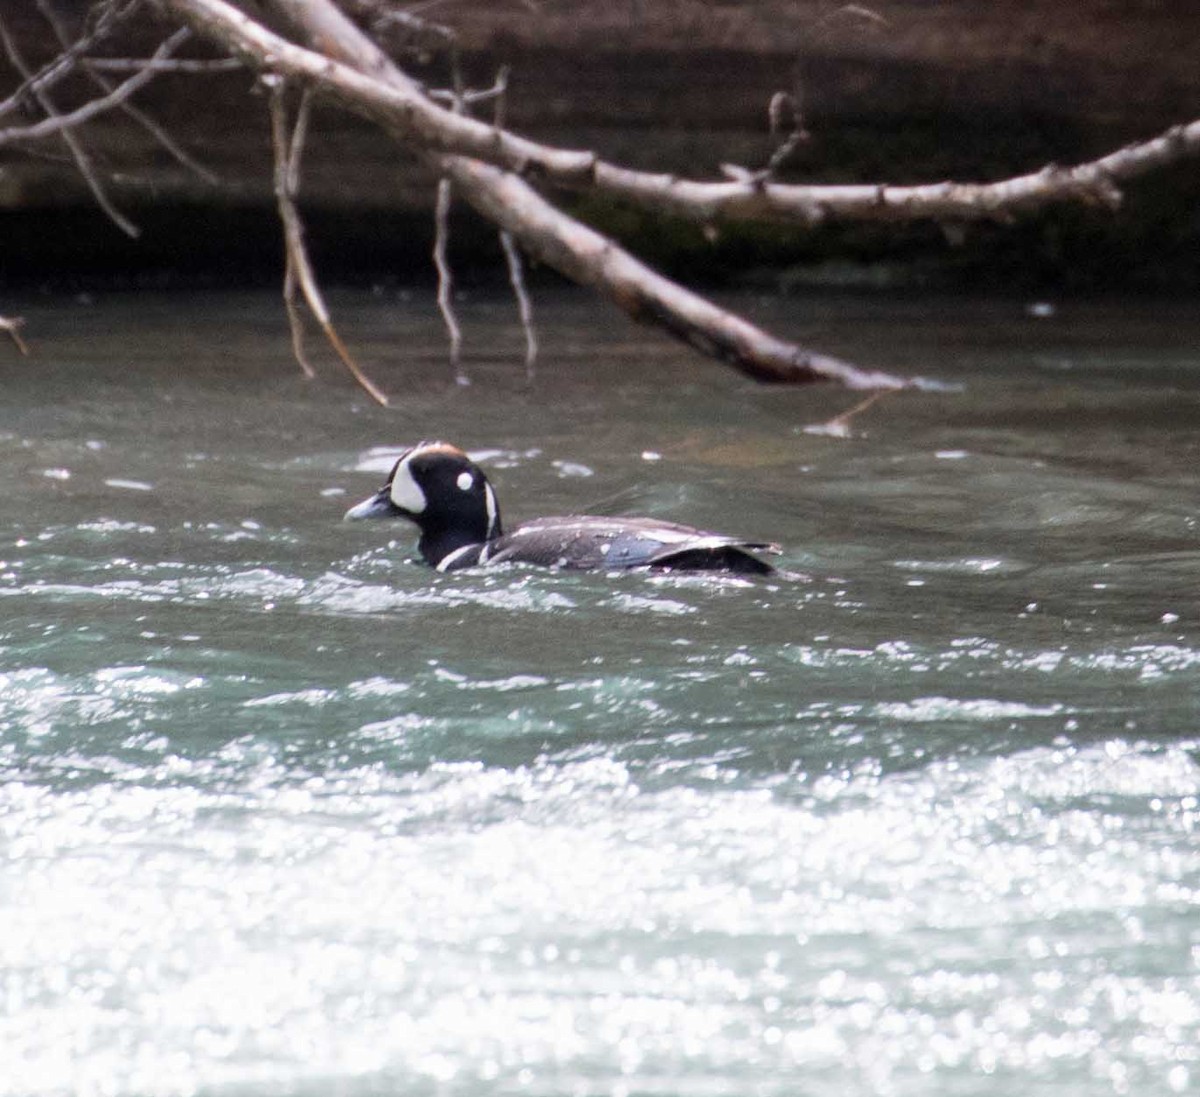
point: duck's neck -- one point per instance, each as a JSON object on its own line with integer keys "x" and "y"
{"x": 436, "y": 545}
{"x": 445, "y": 532}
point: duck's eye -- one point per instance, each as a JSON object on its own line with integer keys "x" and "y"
{"x": 465, "y": 481}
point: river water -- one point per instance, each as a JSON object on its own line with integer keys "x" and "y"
{"x": 284, "y": 813}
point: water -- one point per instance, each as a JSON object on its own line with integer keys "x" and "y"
{"x": 285, "y": 813}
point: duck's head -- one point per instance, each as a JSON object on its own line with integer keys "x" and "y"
{"x": 444, "y": 492}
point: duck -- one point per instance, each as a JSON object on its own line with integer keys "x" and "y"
{"x": 438, "y": 487}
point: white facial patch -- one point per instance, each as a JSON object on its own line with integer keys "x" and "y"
{"x": 406, "y": 493}
{"x": 465, "y": 481}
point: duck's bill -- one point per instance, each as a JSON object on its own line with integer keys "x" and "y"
{"x": 378, "y": 505}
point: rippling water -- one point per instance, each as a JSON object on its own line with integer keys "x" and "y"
{"x": 284, "y": 813}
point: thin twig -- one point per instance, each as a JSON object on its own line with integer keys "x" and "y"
{"x": 295, "y": 319}
{"x": 512, "y": 254}
{"x": 501, "y": 88}
{"x": 299, "y": 270}
{"x": 12, "y": 325}
{"x": 516, "y": 278}
{"x": 62, "y": 124}
{"x": 291, "y": 178}
{"x": 65, "y": 62}
{"x": 470, "y": 97}
{"x": 291, "y": 183}
{"x": 132, "y": 64}
{"x": 441, "y": 240}
{"x": 386, "y": 20}
{"x": 288, "y": 162}
{"x": 781, "y": 103}
{"x": 164, "y": 139}
{"x": 839, "y": 425}
{"x": 445, "y": 293}
{"x": 285, "y": 195}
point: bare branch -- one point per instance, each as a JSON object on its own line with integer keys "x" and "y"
{"x": 66, "y": 61}
{"x": 512, "y": 254}
{"x": 839, "y": 425}
{"x": 516, "y": 277}
{"x": 361, "y": 76}
{"x": 587, "y": 257}
{"x": 376, "y": 88}
{"x": 60, "y": 123}
{"x": 352, "y": 75}
{"x": 55, "y": 124}
{"x": 295, "y": 157}
{"x": 63, "y": 124}
{"x": 797, "y": 135}
{"x": 287, "y": 167}
{"x": 132, "y": 64}
{"x": 299, "y": 270}
{"x": 12, "y": 326}
{"x": 164, "y": 139}
{"x": 470, "y": 98}
{"x": 445, "y": 293}
{"x": 441, "y": 239}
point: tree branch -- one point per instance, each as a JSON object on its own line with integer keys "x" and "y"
{"x": 56, "y": 123}
{"x": 445, "y": 290}
{"x": 378, "y": 89}
{"x": 299, "y": 269}
{"x": 66, "y": 61}
{"x": 106, "y": 86}
{"x": 188, "y": 65}
{"x": 354, "y": 74}
{"x": 516, "y": 278}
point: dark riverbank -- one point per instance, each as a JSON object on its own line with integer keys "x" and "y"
{"x": 909, "y": 92}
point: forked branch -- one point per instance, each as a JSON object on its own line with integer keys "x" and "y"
{"x": 354, "y": 71}
{"x": 299, "y": 272}
{"x": 359, "y": 75}
{"x": 65, "y": 63}
{"x": 64, "y": 125}
{"x": 56, "y": 123}
{"x": 106, "y": 86}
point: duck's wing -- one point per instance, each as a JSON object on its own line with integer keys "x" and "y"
{"x": 590, "y": 541}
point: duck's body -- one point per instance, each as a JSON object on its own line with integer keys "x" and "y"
{"x": 446, "y": 494}
{"x": 588, "y": 541}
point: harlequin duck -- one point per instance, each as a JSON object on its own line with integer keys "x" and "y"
{"x": 446, "y": 494}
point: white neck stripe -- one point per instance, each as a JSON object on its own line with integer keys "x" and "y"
{"x": 447, "y": 561}
{"x": 493, "y": 517}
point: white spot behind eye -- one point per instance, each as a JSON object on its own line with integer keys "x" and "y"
{"x": 465, "y": 481}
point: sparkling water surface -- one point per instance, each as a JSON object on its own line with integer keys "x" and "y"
{"x": 283, "y": 812}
